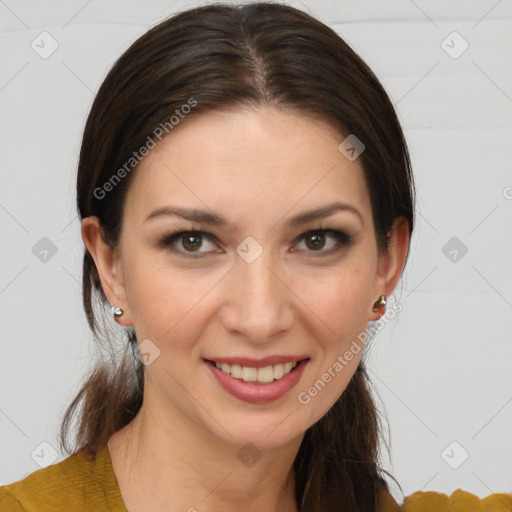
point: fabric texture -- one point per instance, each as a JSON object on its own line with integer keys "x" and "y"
{"x": 80, "y": 484}
{"x": 76, "y": 484}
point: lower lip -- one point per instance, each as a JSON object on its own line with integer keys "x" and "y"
{"x": 258, "y": 393}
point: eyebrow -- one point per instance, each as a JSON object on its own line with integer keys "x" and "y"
{"x": 214, "y": 219}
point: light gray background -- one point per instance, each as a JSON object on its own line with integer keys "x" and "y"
{"x": 442, "y": 367}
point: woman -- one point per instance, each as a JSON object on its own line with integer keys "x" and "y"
{"x": 247, "y": 205}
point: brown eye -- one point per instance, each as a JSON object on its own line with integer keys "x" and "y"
{"x": 323, "y": 241}
{"x": 192, "y": 242}
{"x": 315, "y": 241}
{"x": 188, "y": 243}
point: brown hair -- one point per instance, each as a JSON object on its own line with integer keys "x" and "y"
{"x": 227, "y": 56}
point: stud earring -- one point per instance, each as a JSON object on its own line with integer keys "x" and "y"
{"x": 117, "y": 312}
{"x": 380, "y": 302}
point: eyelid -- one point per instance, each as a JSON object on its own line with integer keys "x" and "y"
{"x": 343, "y": 240}
{"x": 167, "y": 240}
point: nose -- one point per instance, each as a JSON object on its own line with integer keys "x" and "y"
{"x": 259, "y": 304}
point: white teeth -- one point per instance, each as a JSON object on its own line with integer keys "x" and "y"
{"x": 278, "y": 371}
{"x": 249, "y": 374}
{"x": 236, "y": 371}
{"x": 264, "y": 374}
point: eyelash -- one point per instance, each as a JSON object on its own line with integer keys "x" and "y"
{"x": 342, "y": 239}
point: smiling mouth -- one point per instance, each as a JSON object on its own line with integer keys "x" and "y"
{"x": 264, "y": 375}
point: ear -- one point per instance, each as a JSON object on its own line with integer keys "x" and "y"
{"x": 391, "y": 264}
{"x": 108, "y": 264}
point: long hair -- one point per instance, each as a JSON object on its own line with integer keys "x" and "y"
{"x": 211, "y": 57}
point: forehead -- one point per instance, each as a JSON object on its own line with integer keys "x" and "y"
{"x": 248, "y": 162}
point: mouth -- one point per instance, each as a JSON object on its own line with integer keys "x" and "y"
{"x": 259, "y": 374}
{"x": 258, "y": 384}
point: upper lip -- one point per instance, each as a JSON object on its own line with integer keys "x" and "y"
{"x": 257, "y": 363}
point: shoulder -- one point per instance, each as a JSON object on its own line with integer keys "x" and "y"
{"x": 458, "y": 501}
{"x": 73, "y": 485}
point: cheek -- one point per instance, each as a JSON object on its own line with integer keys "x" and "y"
{"x": 165, "y": 300}
{"x": 341, "y": 303}
{"x": 339, "y": 310}
{"x": 339, "y": 298}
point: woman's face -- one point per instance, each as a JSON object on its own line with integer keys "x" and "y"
{"x": 254, "y": 286}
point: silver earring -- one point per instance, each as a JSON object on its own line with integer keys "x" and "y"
{"x": 117, "y": 312}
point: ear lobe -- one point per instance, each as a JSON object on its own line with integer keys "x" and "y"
{"x": 391, "y": 264}
{"x": 107, "y": 264}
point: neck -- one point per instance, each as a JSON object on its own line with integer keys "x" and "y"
{"x": 165, "y": 465}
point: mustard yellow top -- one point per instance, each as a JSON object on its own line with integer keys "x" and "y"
{"x": 79, "y": 484}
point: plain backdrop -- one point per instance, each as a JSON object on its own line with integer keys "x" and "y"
{"x": 442, "y": 367}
